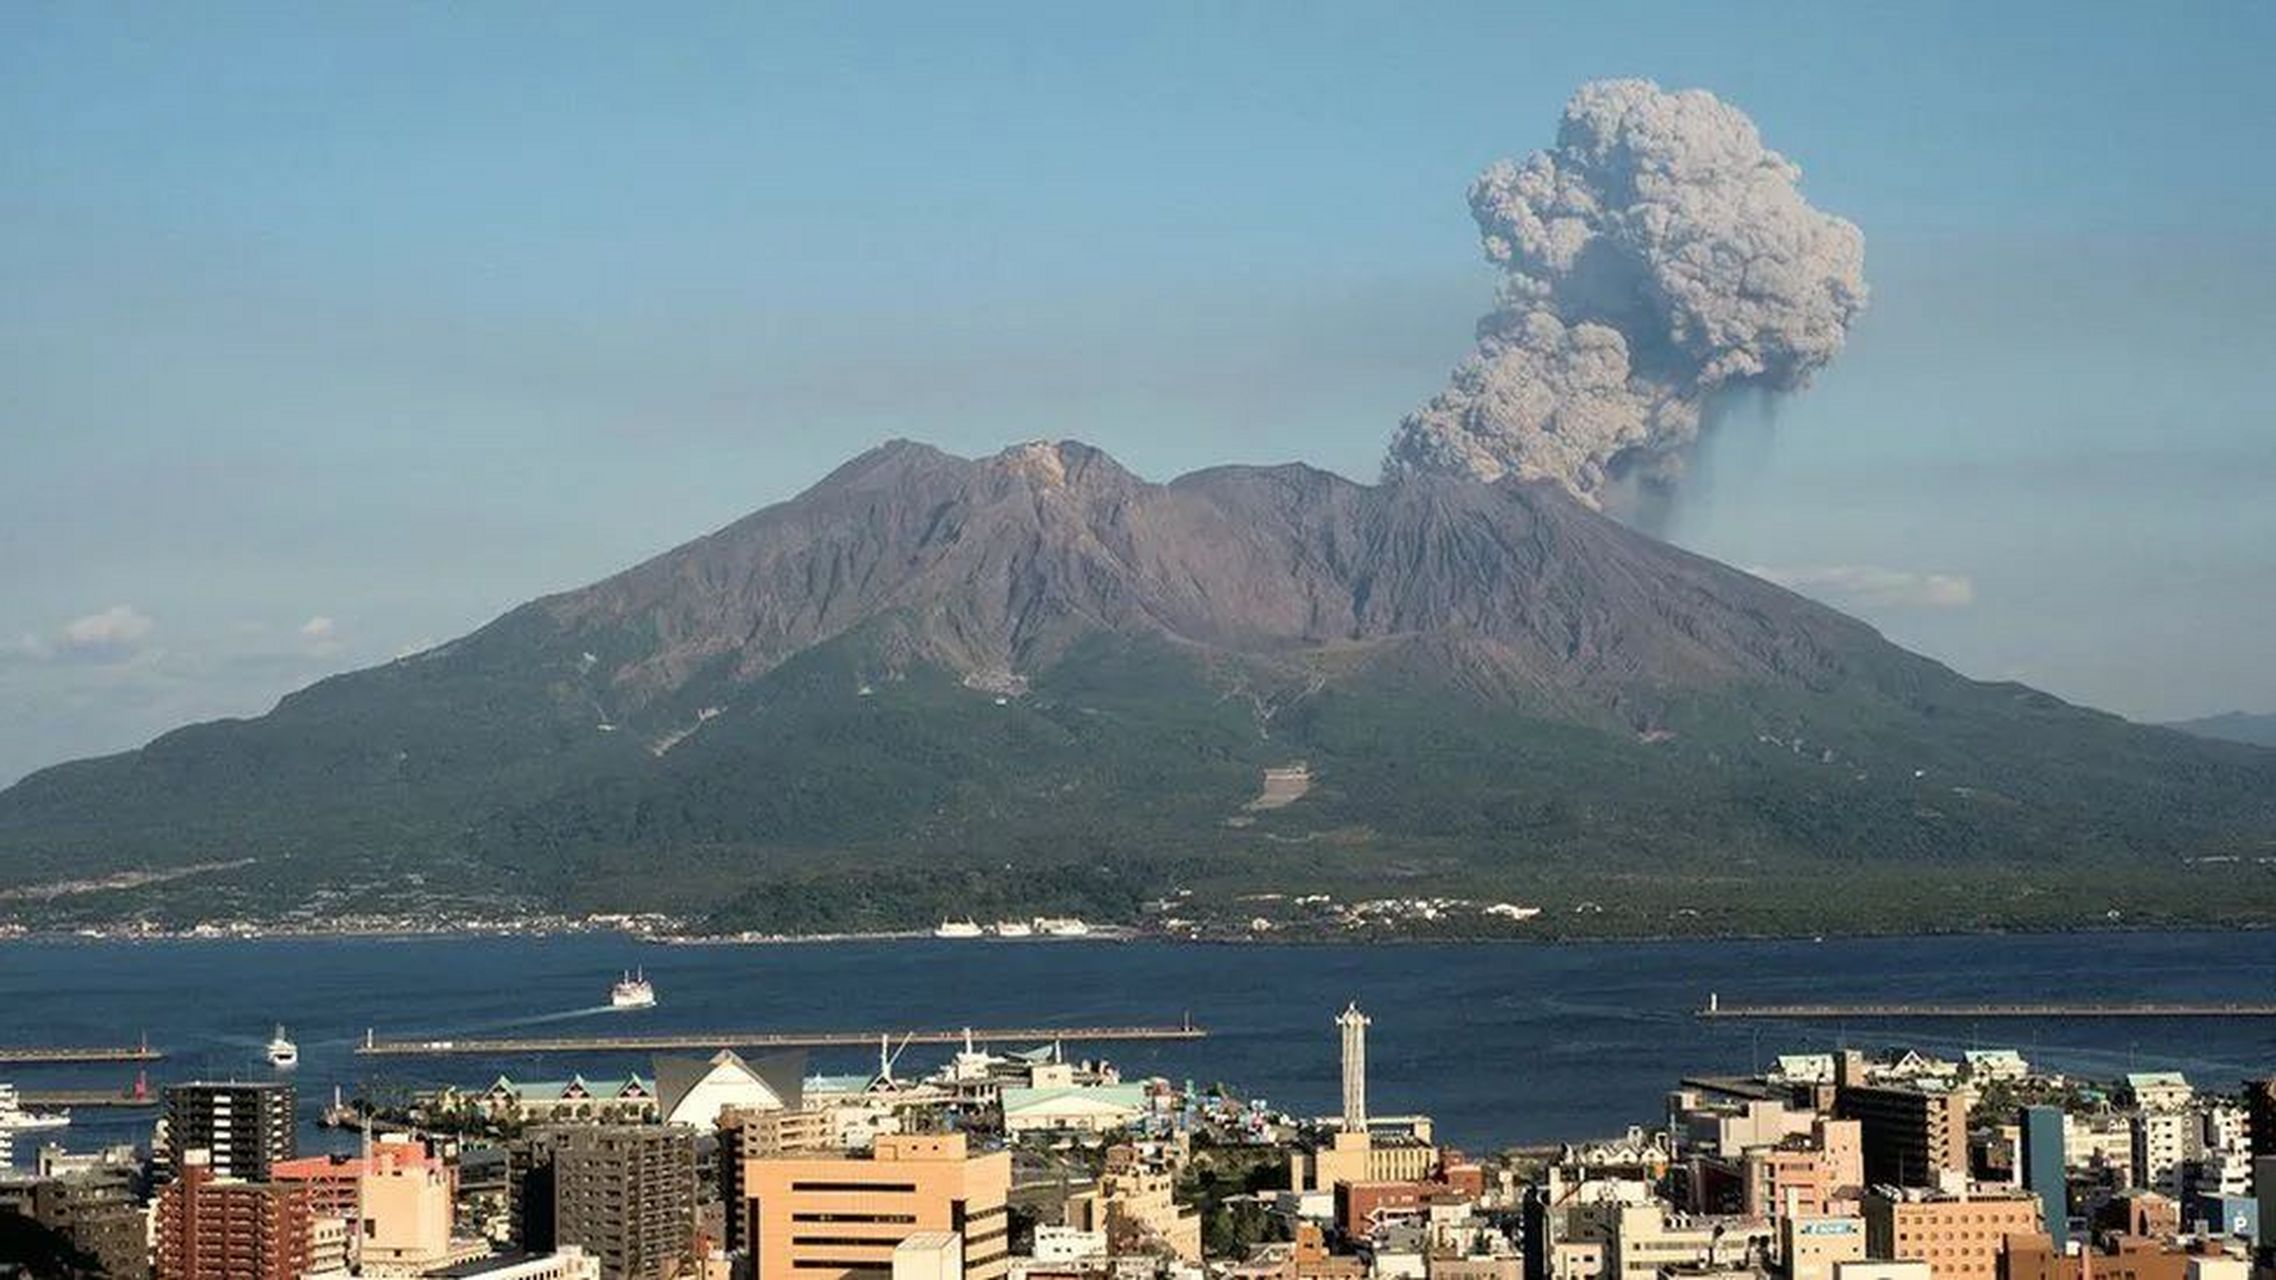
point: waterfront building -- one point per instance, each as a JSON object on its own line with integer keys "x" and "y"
{"x": 630, "y": 1100}
{"x": 1101, "y": 1108}
{"x": 1802, "y": 1069}
{"x": 2157, "y": 1090}
{"x": 212, "y": 1227}
{"x": 1957, "y": 1234}
{"x": 625, "y": 1193}
{"x": 1986, "y": 1066}
{"x": 244, "y": 1129}
{"x": 696, "y": 1090}
{"x": 838, "y": 1216}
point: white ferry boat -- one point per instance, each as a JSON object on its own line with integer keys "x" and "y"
{"x": 283, "y": 1052}
{"x": 14, "y": 1119}
{"x": 1014, "y": 929}
{"x": 1062, "y": 927}
{"x": 965, "y": 928}
{"x": 632, "y": 991}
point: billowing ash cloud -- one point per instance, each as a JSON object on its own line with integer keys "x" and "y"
{"x": 1656, "y": 255}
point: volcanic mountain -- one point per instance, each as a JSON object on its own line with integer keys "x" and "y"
{"x": 932, "y": 684}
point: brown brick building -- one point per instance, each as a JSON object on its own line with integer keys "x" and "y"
{"x": 215, "y": 1228}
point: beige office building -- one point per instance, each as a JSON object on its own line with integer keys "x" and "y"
{"x": 1811, "y": 1247}
{"x": 1135, "y": 1207}
{"x": 840, "y": 1217}
{"x": 1958, "y": 1236}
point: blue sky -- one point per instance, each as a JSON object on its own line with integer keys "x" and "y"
{"x": 335, "y": 330}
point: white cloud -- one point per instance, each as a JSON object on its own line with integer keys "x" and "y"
{"x": 110, "y": 636}
{"x": 1872, "y": 587}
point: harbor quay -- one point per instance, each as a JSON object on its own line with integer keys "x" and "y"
{"x": 1029, "y": 1155}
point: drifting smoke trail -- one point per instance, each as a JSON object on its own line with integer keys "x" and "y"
{"x": 1657, "y": 254}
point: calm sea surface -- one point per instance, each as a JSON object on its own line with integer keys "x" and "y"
{"x": 1503, "y": 1043}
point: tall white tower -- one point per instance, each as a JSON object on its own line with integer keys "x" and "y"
{"x": 1353, "y": 1024}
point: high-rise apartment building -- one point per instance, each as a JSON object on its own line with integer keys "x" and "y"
{"x": 216, "y": 1228}
{"x": 1912, "y": 1136}
{"x": 244, "y": 1129}
{"x": 626, "y": 1194}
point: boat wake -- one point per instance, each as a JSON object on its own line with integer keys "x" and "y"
{"x": 565, "y": 1015}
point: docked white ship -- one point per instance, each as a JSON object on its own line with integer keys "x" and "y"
{"x": 632, "y": 991}
{"x": 14, "y": 1119}
{"x": 1013, "y": 929}
{"x": 1062, "y": 927}
{"x": 283, "y": 1052}
{"x": 965, "y": 928}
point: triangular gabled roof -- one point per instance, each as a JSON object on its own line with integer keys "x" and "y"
{"x": 687, "y": 1085}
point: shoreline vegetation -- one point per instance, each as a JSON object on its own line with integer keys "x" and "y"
{"x": 246, "y": 931}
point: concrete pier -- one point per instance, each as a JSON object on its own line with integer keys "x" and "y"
{"x": 697, "y": 1041}
{"x": 21, "y": 1055}
{"x": 1826, "y": 1012}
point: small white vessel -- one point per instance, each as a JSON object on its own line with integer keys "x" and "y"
{"x": 1014, "y": 929}
{"x": 1063, "y": 926}
{"x": 283, "y": 1052}
{"x": 965, "y": 928}
{"x": 632, "y": 991}
{"x": 14, "y": 1119}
